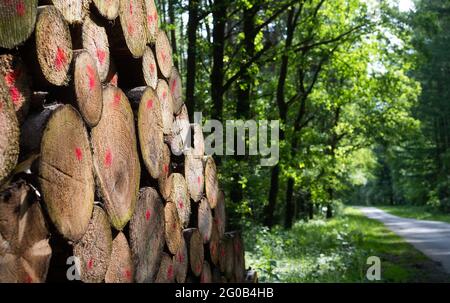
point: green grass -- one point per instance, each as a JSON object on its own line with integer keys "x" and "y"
{"x": 336, "y": 251}
{"x": 416, "y": 212}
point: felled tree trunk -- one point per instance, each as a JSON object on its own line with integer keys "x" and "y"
{"x": 150, "y": 68}
{"x": 206, "y": 276}
{"x": 151, "y": 20}
{"x": 66, "y": 163}
{"x": 173, "y": 234}
{"x": 195, "y": 247}
{"x": 181, "y": 262}
{"x": 193, "y": 171}
{"x": 94, "y": 248}
{"x": 205, "y": 220}
{"x": 163, "y": 52}
{"x": 220, "y": 214}
{"x": 121, "y": 269}
{"x": 163, "y": 180}
{"x": 74, "y": 11}
{"x": 211, "y": 182}
{"x": 147, "y": 235}
{"x": 108, "y": 8}
{"x": 165, "y": 98}
{"x": 116, "y": 160}
{"x": 180, "y": 197}
{"x": 24, "y": 247}
{"x": 17, "y": 21}
{"x": 132, "y": 20}
{"x": 166, "y": 270}
{"x": 176, "y": 88}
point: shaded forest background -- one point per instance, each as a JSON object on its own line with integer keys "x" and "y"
{"x": 359, "y": 87}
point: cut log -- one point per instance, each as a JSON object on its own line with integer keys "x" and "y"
{"x": 180, "y": 196}
{"x": 147, "y": 235}
{"x": 95, "y": 41}
{"x": 199, "y": 141}
{"x": 108, "y": 8}
{"x": 24, "y": 246}
{"x": 133, "y": 22}
{"x": 74, "y": 11}
{"x": 206, "y": 276}
{"x": 150, "y": 129}
{"x": 180, "y": 139}
{"x": 116, "y": 160}
{"x": 193, "y": 171}
{"x": 88, "y": 88}
{"x": 149, "y": 68}
{"x": 163, "y": 52}
{"x": 226, "y": 257}
{"x": 214, "y": 243}
{"x": 181, "y": 262}
{"x": 176, "y": 88}
{"x": 195, "y": 247}
{"x": 9, "y": 139}
{"x": 220, "y": 214}
{"x": 94, "y": 248}
{"x": 65, "y": 172}
{"x": 15, "y": 75}
{"x": 152, "y": 20}
{"x": 121, "y": 269}
{"x": 17, "y": 21}
{"x": 211, "y": 182}
{"x": 205, "y": 220}
{"x": 239, "y": 257}
{"x": 53, "y": 45}
{"x": 172, "y": 227}
{"x": 166, "y": 272}
{"x": 163, "y": 183}
{"x": 165, "y": 98}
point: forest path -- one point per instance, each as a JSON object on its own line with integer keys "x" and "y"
{"x": 430, "y": 237}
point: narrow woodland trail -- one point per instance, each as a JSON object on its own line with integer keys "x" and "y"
{"x": 430, "y": 237}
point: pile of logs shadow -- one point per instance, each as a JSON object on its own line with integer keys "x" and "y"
{"x": 93, "y": 162}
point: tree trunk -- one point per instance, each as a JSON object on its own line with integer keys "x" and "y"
{"x": 17, "y": 22}
{"x": 166, "y": 102}
{"x": 193, "y": 172}
{"x": 108, "y": 8}
{"x": 116, "y": 160}
{"x": 205, "y": 220}
{"x": 217, "y": 74}
{"x": 172, "y": 228}
{"x": 94, "y": 248}
{"x": 273, "y": 192}
{"x": 66, "y": 162}
{"x": 206, "y": 276}
{"x": 25, "y": 251}
{"x": 180, "y": 196}
{"x": 195, "y": 247}
{"x": 191, "y": 56}
{"x": 172, "y": 31}
{"x": 239, "y": 257}
{"x": 163, "y": 184}
{"x": 211, "y": 182}
{"x": 289, "y": 210}
{"x": 163, "y": 52}
{"x": 166, "y": 270}
{"x": 74, "y": 11}
{"x": 147, "y": 235}
{"x": 151, "y": 20}
{"x": 133, "y": 22}
{"x": 149, "y": 68}
{"x": 121, "y": 269}
{"x": 176, "y": 89}
{"x": 181, "y": 262}
{"x": 220, "y": 214}
{"x": 214, "y": 243}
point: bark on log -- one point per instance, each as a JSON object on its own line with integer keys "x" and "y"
{"x": 150, "y": 129}
{"x": 53, "y": 45}
{"x": 163, "y": 52}
{"x": 181, "y": 262}
{"x": 121, "y": 269}
{"x": 211, "y": 182}
{"x": 163, "y": 183}
{"x": 95, "y": 41}
{"x": 65, "y": 172}
{"x": 166, "y": 270}
{"x": 17, "y": 21}
{"x": 193, "y": 172}
{"x": 149, "y": 68}
{"x": 180, "y": 196}
{"x": 205, "y": 220}
{"x": 74, "y": 11}
{"x": 116, "y": 160}
{"x": 173, "y": 228}
{"x": 9, "y": 139}
{"x": 15, "y": 75}
{"x": 195, "y": 247}
{"x": 176, "y": 88}
{"x": 24, "y": 246}
{"x": 220, "y": 214}
{"x": 147, "y": 235}
{"x": 132, "y": 20}
{"x": 108, "y": 8}
{"x": 206, "y": 276}
{"x": 214, "y": 245}
{"x": 88, "y": 88}
{"x": 94, "y": 248}
{"x": 165, "y": 98}
{"x": 151, "y": 20}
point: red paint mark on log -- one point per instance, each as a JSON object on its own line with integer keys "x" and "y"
{"x": 163, "y": 57}
{"x": 199, "y": 180}
{"x": 149, "y": 19}
{"x": 213, "y": 249}
{"x": 205, "y": 238}
{"x": 170, "y": 272}
{"x": 222, "y": 252}
{"x": 91, "y": 76}
{"x": 108, "y": 158}
{"x": 180, "y": 258}
{"x": 174, "y": 85}
{"x": 128, "y": 274}
{"x": 174, "y": 226}
{"x": 130, "y": 29}
{"x": 20, "y": 9}
{"x": 15, "y": 95}
{"x": 115, "y": 80}
{"x": 60, "y": 59}
{"x": 164, "y": 95}
{"x": 78, "y": 154}
{"x": 101, "y": 55}
{"x": 150, "y": 103}
{"x": 117, "y": 98}
{"x": 90, "y": 264}
{"x": 166, "y": 168}
{"x": 152, "y": 68}
{"x": 131, "y": 8}
{"x": 1, "y": 105}
{"x": 28, "y": 279}
{"x": 237, "y": 247}
{"x": 11, "y": 77}
{"x": 147, "y": 215}
{"x": 198, "y": 268}
{"x": 180, "y": 204}
{"x": 155, "y": 16}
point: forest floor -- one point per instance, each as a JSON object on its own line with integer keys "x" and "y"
{"x": 416, "y": 212}
{"x": 336, "y": 251}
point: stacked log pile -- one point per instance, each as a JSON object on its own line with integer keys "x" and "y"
{"x": 94, "y": 154}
